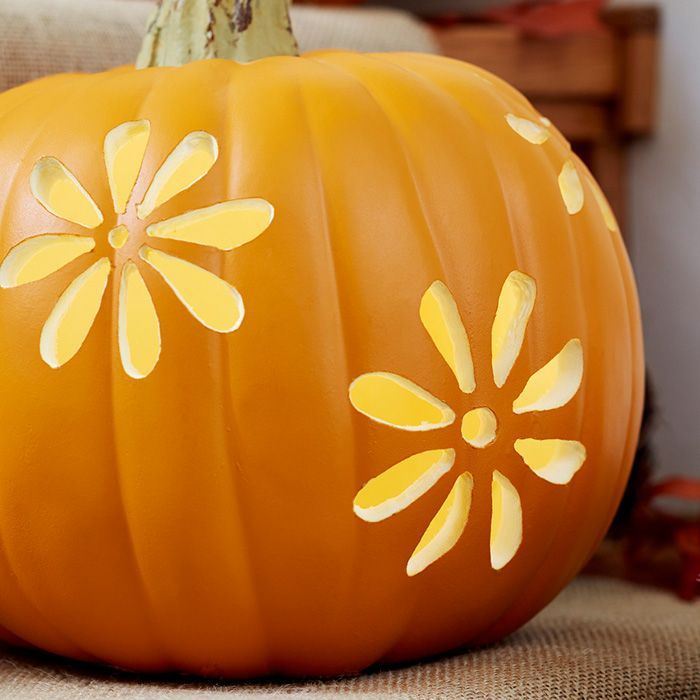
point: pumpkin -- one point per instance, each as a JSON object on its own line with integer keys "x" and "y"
{"x": 308, "y": 363}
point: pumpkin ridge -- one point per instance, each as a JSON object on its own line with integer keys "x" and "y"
{"x": 81, "y": 84}
{"x": 307, "y": 108}
{"x": 397, "y": 132}
{"x": 230, "y": 430}
{"x": 401, "y": 143}
{"x": 149, "y": 613}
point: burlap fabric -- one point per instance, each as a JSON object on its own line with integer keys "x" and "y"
{"x": 600, "y": 639}
{"x": 38, "y": 37}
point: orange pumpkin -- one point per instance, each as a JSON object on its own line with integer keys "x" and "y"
{"x": 414, "y": 438}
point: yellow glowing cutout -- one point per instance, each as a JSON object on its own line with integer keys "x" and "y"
{"x": 446, "y": 528}
{"x": 515, "y": 304}
{"x": 571, "y": 188}
{"x": 38, "y": 257}
{"x": 393, "y": 400}
{"x": 604, "y": 206}
{"x": 224, "y": 226}
{"x": 556, "y": 383}
{"x": 479, "y": 427}
{"x": 71, "y": 319}
{"x": 57, "y": 190}
{"x": 506, "y": 521}
{"x": 529, "y": 130}
{"x": 139, "y": 330}
{"x": 191, "y": 160}
{"x": 555, "y": 461}
{"x": 440, "y": 317}
{"x": 118, "y": 236}
{"x": 124, "y": 150}
{"x": 211, "y": 300}
{"x": 402, "y": 484}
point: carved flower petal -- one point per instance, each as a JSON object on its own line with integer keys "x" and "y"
{"x": 399, "y": 486}
{"x": 515, "y": 304}
{"x": 39, "y": 256}
{"x": 139, "y": 330}
{"x": 212, "y": 301}
{"x": 604, "y": 206}
{"x": 189, "y": 162}
{"x": 124, "y": 150}
{"x": 529, "y": 130}
{"x": 396, "y": 401}
{"x": 571, "y": 188}
{"x": 440, "y": 317}
{"x": 506, "y": 521}
{"x": 224, "y": 226}
{"x": 73, "y": 315}
{"x": 555, "y": 384}
{"x": 60, "y": 193}
{"x": 555, "y": 461}
{"x": 446, "y": 527}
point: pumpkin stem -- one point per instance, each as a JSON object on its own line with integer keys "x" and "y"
{"x": 181, "y": 31}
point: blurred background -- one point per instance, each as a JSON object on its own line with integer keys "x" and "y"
{"x": 619, "y": 78}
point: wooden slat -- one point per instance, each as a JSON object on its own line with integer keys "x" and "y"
{"x": 637, "y": 105}
{"x": 577, "y": 120}
{"x": 577, "y": 66}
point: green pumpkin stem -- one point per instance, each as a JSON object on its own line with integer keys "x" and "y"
{"x": 181, "y": 31}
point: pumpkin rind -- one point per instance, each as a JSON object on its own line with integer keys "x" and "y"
{"x": 201, "y": 519}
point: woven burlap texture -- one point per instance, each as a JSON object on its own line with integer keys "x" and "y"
{"x": 600, "y": 639}
{"x": 39, "y": 37}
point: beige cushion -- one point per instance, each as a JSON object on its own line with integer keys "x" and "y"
{"x": 38, "y": 37}
{"x": 600, "y": 639}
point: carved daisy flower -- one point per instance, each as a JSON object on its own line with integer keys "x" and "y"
{"x": 225, "y": 226}
{"x": 395, "y": 401}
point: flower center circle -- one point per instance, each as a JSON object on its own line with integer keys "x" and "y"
{"x": 479, "y": 427}
{"x": 118, "y": 236}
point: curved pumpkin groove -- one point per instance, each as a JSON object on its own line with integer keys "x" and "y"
{"x": 515, "y": 304}
{"x": 124, "y": 150}
{"x": 555, "y": 384}
{"x": 40, "y": 256}
{"x": 506, "y": 521}
{"x": 224, "y": 226}
{"x": 555, "y": 461}
{"x": 188, "y": 163}
{"x": 529, "y": 130}
{"x": 60, "y": 193}
{"x": 445, "y": 528}
{"x": 440, "y": 317}
{"x": 571, "y": 188}
{"x": 212, "y": 301}
{"x": 72, "y": 317}
{"x": 401, "y": 485}
{"x": 396, "y": 401}
{"x": 139, "y": 330}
